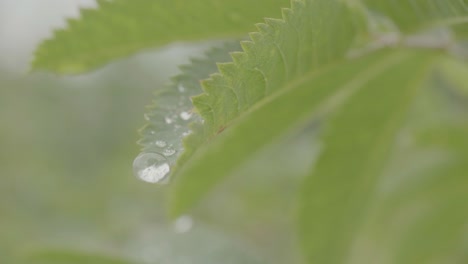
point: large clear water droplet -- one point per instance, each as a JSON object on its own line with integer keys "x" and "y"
{"x": 183, "y": 224}
{"x": 151, "y": 167}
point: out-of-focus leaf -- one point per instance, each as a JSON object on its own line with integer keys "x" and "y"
{"x": 455, "y": 74}
{"x": 437, "y": 231}
{"x": 278, "y": 55}
{"x": 423, "y": 218}
{"x": 122, "y": 27}
{"x": 337, "y": 193}
{"x": 415, "y": 15}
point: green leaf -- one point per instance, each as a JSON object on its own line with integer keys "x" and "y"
{"x": 416, "y": 15}
{"x": 307, "y": 99}
{"x": 122, "y": 27}
{"x": 437, "y": 230}
{"x": 302, "y": 70}
{"x": 279, "y": 54}
{"x": 426, "y": 24}
{"x": 337, "y": 193}
{"x": 422, "y": 217}
{"x": 275, "y": 58}
{"x": 418, "y": 211}
{"x": 455, "y": 74}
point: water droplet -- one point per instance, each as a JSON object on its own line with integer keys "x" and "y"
{"x": 168, "y": 120}
{"x": 169, "y": 152}
{"x": 186, "y": 133}
{"x": 151, "y": 167}
{"x": 181, "y": 88}
{"x": 185, "y": 115}
{"x": 146, "y": 116}
{"x": 160, "y": 143}
{"x": 152, "y": 132}
{"x": 183, "y": 224}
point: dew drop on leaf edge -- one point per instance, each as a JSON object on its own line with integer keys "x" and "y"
{"x": 151, "y": 167}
